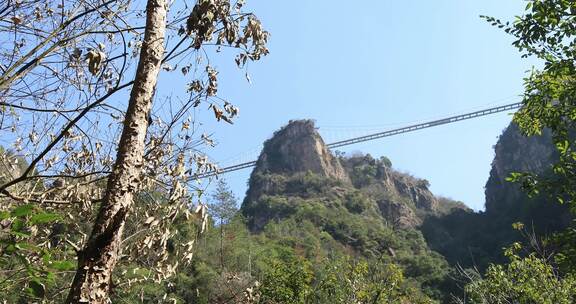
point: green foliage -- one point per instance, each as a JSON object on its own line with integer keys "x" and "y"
{"x": 26, "y": 262}
{"x": 386, "y": 161}
{"x": 344, "y": 281}
{"x": 356, "y": 202}
{"x": 566, "y": 255}
{"x": 309, "y": 184}
{"x": 294, "y": 262}
{"x": 286, "y": 281}
{"x": 524, "y": 280}
{"x": 364, "y": 169}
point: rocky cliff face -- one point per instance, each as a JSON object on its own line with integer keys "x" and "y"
{"x": 402, "y": 199}
{"x": 516, "y": 153}
{"x": 505, "y": 201}
{"x": 298, "y": 147}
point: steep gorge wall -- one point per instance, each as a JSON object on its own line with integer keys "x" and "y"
{"x": 517, "y": 153}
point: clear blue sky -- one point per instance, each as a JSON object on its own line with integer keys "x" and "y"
{"x": 359, "y": 65}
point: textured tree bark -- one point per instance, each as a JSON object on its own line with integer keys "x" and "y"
{"x": 98, "y": 258}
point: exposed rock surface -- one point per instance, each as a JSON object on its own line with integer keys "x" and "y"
{"x": 417, "y": 190}
{"x": 401, "y": 198}
{"x": 399, "y": 214}
{"x": 298, "y": 147}
{"x": 516, "y": 153}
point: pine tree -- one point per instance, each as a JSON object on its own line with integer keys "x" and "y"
{"x": 222, "y": 207}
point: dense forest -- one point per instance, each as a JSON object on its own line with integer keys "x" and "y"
{"x": 102, "y": 201}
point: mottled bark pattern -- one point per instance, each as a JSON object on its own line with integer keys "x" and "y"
{"x": 98, "y": 258}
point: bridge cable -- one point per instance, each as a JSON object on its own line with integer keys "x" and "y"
{"x": 379, "y": 135}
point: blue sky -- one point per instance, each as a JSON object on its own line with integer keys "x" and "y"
{"x": 360, "y": 66}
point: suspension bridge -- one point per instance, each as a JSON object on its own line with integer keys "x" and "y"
{"x": 379, "y": 135}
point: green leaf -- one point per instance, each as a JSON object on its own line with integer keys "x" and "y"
{"x": 49, "y": 278}
{"x": 43, "y": 218}
{"x": 10, "y": 249}
{"x": 22, "y": 211}
{"x": 4, "y": 215}
{"x": 47, "y": 257}
{"x": 63, "y": 265}
{"x": 17, "y": 225}
{"x": 20, "y": 234}
{"x": 26, "y": 246}
{"x": 514, "y": 177}
{"x": 518, "y": 226}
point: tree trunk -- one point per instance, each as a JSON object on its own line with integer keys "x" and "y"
{"x": 249, "y": 255}
{"x": 221, "y": 246}
{"x": 97, "y": 260}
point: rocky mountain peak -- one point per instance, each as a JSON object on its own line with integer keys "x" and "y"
{"x": 298, "y": 147}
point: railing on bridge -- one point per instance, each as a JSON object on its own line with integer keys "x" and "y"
{"x": 379, "y": 135}
{"x": 425, "y": 125}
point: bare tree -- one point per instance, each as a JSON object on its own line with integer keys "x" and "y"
{"x": 100, "y": 254}
{"x": 64, "y": 68}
